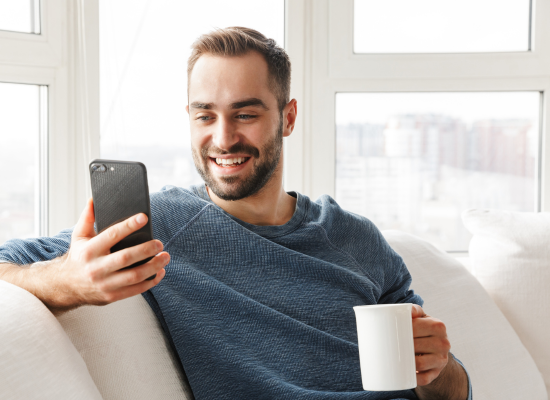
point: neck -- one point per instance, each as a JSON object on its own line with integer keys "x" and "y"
{"x": 269, "y": 206}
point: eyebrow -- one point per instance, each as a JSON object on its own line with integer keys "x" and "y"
{"x": 252, "y": 102}
{"x": 203, "y": 106}
{"x": 248, "y": 103}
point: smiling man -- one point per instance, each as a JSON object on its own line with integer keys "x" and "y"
{"x": 239, "y": 113}
{"x": 255, "y": 286}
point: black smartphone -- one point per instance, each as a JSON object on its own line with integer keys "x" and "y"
{"x": 120, "y": 190}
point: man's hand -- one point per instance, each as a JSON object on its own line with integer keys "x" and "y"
{"x": 438, "y": 376}
{"x": 89, "y": 273}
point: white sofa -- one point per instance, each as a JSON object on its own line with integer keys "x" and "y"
{"x": 119, "y": 351}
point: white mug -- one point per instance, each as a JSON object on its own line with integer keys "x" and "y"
{"x": 386, "y": 346}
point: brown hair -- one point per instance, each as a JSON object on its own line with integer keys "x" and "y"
{"x": 237, "y": 41}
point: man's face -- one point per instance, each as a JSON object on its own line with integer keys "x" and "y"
{"x": 236, "y": 126}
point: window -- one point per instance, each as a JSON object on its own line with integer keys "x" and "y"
{"x": 144, "y": 55}
{"x": 380, "y": 122}
{"x": 415, "y": 161}
{"x": 435, "y": 26}
{"x": 20, "y": 16}
{"x": 42, "y": 186}
{"x": 23, "y": 136}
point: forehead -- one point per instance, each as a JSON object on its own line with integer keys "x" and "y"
{"x": 222, "y": 80}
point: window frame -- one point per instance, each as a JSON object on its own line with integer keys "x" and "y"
{"x": 320, "y": 45}
{"x": 53, "y": 58}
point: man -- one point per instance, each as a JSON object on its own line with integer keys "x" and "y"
{"x": 256, "y": 295}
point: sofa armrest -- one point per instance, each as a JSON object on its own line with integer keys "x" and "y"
{"x": 37, "y": 358}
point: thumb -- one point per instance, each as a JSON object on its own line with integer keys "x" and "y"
{"x": 84, "y": 228}
{"x": 417, "y": 311}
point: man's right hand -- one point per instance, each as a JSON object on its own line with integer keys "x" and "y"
{"x": 88, "y": 273}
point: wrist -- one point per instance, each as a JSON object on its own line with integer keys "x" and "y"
{"x": 46, "y": 279}
{"x": 451, "y": 384}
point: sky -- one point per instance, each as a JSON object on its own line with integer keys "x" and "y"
{"x": 375, "y": 108}
{"x": 428, "y": 26}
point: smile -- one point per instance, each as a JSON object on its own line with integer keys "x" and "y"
{"x": 230, "y": 162}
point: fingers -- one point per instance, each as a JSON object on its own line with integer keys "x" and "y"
{"x": 431, "y": 349}
{"x": 120, "y": 280}
{"x": 139, "y": 288}
{"x": 427, "y": 362}
{"x": 428, "y": 326}
{"x": 417, "y": 311}
{"x": 84, "y": 228}
{"x": 432, "y": 345}
{"x": 126, "y": 257}
{"x": 103, "y": 242}
{"x": 427, "y": 377}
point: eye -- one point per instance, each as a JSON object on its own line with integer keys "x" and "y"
{"x": 203, "y": 118}
{"x": 246, "y": 116}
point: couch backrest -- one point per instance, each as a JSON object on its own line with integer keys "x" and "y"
{"x": 498, "y": 363}
{"x": 37, "y": 359}
{"x": 126, "y": 352}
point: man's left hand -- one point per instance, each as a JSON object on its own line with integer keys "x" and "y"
{"x": 431, "y": 346}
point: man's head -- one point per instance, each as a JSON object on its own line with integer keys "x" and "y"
{"x": 238, "y": 41}
{"x": 238, "y": 87}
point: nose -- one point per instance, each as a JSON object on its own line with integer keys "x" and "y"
{"x": 224, "y": 135}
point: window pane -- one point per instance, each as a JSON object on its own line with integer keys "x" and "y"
{"x": 144, "y": 46}
{"x": 19, "y": 156}
{"x": 20, "y": 16}
{"x": 416, "y": 161}
{"x": 435, "y": 26}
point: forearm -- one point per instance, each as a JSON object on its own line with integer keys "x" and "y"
{"x": 38, "y": 279}
{"x": 451, "y": 384}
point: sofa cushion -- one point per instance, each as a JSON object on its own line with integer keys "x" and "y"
{"x": 126, "y": 351}
{"x": 498, "y": 364}
{"x": 510, "y": 255}
{"x": 37, "y": 359}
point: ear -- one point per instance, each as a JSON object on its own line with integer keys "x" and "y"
{"x": 187, "y": 108}
{"x": 290, "y": 113}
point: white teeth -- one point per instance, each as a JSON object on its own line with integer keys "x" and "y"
{"x": 230, "y": 161}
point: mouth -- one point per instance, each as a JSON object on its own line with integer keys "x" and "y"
{"x": 230, "y": 162}
{"x": 229, "y": 165}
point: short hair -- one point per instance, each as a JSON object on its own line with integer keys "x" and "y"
{"x": 237, "y": 41}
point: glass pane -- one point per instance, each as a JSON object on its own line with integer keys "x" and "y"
{"x": 19, "y": 146}
{"x": 435, "y": 26}
{"x": 144, "y": 46}
{"x": 20, "y": 16}
{"x": 416, "y": 161}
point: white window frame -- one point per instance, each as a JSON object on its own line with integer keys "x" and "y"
{"x": 319, "y": 41}
{"x": 53, "y": 58}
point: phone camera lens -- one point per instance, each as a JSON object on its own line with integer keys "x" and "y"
{"x": 98, "y": 168}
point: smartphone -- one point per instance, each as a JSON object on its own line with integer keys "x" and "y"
{"x": 120, "y": 191}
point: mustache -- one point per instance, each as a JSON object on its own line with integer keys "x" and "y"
{"x": 236, "y": 148}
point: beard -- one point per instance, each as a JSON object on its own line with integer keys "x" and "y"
{"x": 234, "y": 187}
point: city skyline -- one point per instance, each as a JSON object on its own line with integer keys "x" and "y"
{"x": 418, "y": 172}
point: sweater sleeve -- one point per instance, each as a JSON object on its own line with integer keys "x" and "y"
{"x": 29, "y": 251}
{"x": 397, "y": 279}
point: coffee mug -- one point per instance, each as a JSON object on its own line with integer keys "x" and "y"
{"x": 386, "y": 346}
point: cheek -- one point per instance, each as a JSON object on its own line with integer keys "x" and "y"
{"x": 198, "y": 139}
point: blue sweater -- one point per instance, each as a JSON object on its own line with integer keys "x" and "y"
{"x": 262, "y": 312}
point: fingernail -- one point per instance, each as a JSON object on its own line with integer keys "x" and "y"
{"x": 141, "y": 219}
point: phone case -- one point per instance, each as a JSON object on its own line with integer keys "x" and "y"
{"x": 119, "y": 192}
